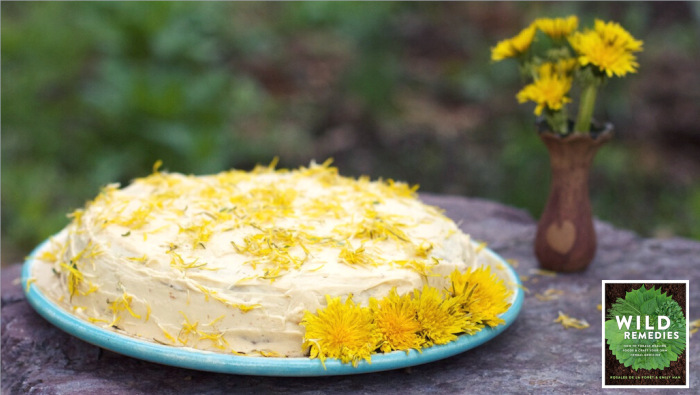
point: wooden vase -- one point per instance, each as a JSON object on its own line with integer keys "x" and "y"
{"x": 566, "y": 239}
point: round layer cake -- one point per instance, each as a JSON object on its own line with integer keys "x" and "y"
{"x": 230, "y": 262}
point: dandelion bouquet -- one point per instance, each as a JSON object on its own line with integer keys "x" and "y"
{"x": 565, "y": 57}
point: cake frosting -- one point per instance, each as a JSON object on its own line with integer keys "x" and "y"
{"x": 230, "y": 262}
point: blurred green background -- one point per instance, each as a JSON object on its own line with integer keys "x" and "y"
{"x": 94, "y": 93}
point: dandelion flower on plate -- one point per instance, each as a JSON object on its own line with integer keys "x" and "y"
{"x": 344, "y": 331}
{"x": 440, "y": 317}
{"x": 396, "y": 321}
{"x": 481, "y": 294}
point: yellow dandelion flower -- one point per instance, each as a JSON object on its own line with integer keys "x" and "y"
{"x": 609, "y": 59}
{"x": 396, "y": 319}
{"x": 524, "y": 39}
{"x": 550, "y": 89}
{"x": 614, "y": 34}
{"x": 344, "y": 331}
{"x": 609, "y": 47}
{"x": 482, "y": 294}
{"x": 515, "y": 46}
{"x": 557, "y": 28}
{"x": 441, "y": 318}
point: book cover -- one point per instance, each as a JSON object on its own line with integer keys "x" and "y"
{"x": 645, "y": 334}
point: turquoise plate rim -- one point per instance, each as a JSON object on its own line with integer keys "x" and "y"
{"x": 189, "y": 358}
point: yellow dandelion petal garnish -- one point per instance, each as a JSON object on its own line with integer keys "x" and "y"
{"x": 557, "y": 28}
{"x": 396, "y": 319}
{"x": 441, "y": 318}
{"x": 344, "y": 331}
{"x": 482, "y": 294}
{"x": 515, "y": 46}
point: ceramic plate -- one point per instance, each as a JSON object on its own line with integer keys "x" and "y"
{"x": 185, "y": 357}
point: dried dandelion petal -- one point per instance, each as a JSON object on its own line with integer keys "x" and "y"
{"x": 543, "y": 272}
{"x": 569, "y": 322}
{"x": 549, "y": 294}
{"x": 694, "y": 326}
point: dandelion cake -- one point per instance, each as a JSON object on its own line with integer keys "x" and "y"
{"x": 261, "y": 263}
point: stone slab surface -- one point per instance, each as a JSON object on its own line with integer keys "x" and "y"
{"x": 534, "y": 355}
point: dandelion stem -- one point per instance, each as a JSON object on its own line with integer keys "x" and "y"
{"x": 585, "y": 110}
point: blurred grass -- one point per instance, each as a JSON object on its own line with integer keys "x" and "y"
{"x": 95, "y": 93}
